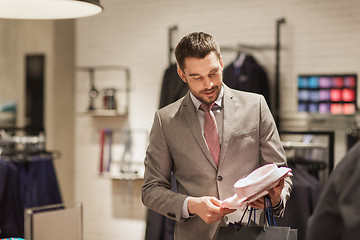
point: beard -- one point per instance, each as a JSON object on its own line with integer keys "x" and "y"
{"x": 204, "y": 96}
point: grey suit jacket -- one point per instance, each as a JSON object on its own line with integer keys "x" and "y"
{"x": 250, "y": 140}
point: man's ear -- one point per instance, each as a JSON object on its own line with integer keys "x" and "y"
{"x": 221, "y": 63}
{"x": 181, "y": 74}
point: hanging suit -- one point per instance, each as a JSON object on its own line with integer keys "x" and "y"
{"x": 249, "y": 77}
{"x": 38, "y": 182}
{"x": 11, "y": 207}
{"x": 173, "y": 87}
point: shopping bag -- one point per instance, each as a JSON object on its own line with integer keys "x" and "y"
{"x": 293, "y": 234}
{"x": 254, "y": 233}
{"x": 239, "y": 231}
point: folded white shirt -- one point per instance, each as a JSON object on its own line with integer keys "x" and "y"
{"x": 256, "y": 185}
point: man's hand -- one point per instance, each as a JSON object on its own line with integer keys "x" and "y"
{"x": 208, "y": 208}
{"x": 274, "y": 194}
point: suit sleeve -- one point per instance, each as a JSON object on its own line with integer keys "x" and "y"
{"x": 271, "y": 150}
{"x": 156, "y": 192}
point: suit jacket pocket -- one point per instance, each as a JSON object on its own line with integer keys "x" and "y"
{"x": 244, "y": 143}
{"x": 244, "y": 134}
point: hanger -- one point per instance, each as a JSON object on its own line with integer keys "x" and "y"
{"x": 315, "y": 165}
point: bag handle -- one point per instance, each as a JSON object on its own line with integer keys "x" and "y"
{"x": 242, "y": 217}
{"x": 268, "y": 213}
{"x": 251, "y": 210}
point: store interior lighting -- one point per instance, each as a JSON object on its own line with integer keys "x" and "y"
{"x": 49, "y": 9}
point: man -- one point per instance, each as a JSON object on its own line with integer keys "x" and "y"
{"x": 205, "y": 167}
{"x": 337, "y": 213}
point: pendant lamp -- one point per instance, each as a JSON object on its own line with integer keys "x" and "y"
{"x": 48, "y": 9}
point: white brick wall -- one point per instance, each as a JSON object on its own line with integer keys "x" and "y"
{"x": 318, "y": 37}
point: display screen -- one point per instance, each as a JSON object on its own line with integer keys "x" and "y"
{"x": 335, "y": 94}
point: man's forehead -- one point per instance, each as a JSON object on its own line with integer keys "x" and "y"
{"x": 196, "y": 65}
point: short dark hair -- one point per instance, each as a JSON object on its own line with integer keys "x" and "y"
{"x": 196, "y": 44}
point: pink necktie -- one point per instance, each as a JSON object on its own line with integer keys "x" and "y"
{"x": 211, "y": 133}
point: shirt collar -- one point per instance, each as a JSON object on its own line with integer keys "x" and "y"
{"x": 197, "y": 102}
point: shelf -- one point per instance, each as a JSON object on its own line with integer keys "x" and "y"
{"x": 121, "y": 176}
{"x": 302, "y": 145}
{"x": 104, "y": 113}
{"x": 107, "y": 73}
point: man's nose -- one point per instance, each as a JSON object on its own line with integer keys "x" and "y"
{"x": 208, "y": 84}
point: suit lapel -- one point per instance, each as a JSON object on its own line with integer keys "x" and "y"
{"x": 228, "y": 122}
{"x": 192, "y": 120}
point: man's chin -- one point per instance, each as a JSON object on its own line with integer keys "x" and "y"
{"x": 208, "y": 100}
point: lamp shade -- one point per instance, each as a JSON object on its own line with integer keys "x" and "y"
{"x": 48, "y": 9}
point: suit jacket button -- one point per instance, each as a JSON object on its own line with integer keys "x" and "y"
{"x": 219, "y": 178}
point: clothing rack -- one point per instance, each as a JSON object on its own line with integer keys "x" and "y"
{"x": 279, "y": 22}
{"x": 28, "y": 178}
{"x": 299, "y": 145}
{"x": 310, "y": 151}
{"x": 242, "y": 46}
{"x": 23, "y": 139}
{"x": 352, "y": 136}
{"x": 312, "y": 165}
{"x": 171, "y": 30}
{"x": 14, "y": 147}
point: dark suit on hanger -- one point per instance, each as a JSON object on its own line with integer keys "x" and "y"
{"x": 173, "y": 87}
{"x": 11, "y": 207}
{"x": 249, "y": 77}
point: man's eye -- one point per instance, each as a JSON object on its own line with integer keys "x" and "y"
{"x": 198, "y": 78}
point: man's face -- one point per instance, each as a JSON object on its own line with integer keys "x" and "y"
{"x": 203, "y": 77}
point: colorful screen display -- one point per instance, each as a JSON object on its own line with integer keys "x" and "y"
{"x": 335, "y": 94}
